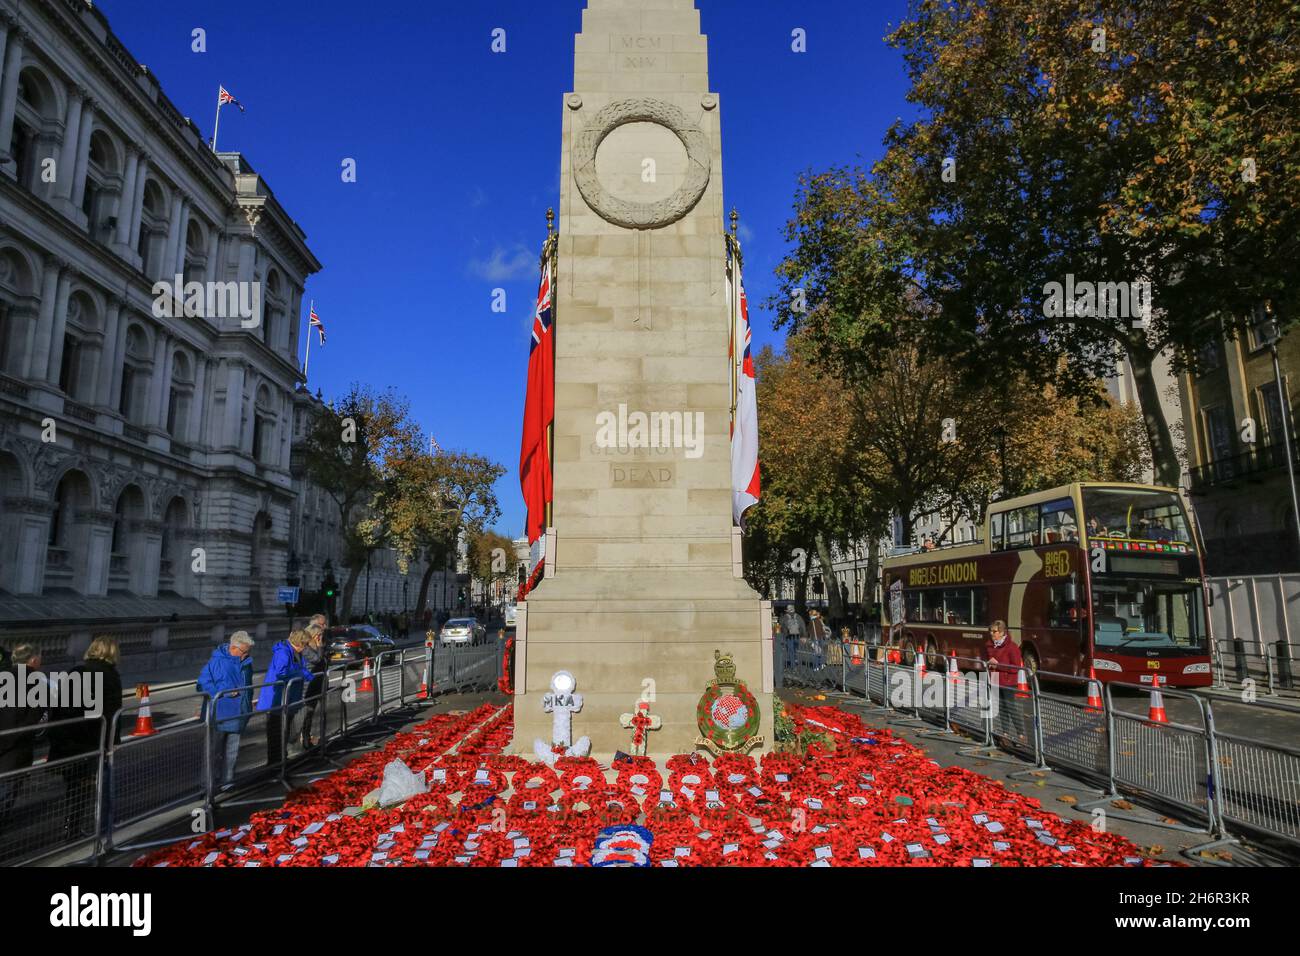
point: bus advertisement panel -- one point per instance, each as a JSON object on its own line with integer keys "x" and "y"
{"x": 1107, "y": 577}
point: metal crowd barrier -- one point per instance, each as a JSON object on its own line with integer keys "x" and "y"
{"x": 50, "y": 806}
{"x": 1275, "y": 663}
{"x": 1213, "y": 779}
{"x": 99, "y": 798}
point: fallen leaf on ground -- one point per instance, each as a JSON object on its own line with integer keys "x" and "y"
{"x": 1121, "y": 805}
{"x": 1068, "y": 799}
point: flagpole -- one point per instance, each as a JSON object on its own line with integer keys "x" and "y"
{"x": 216, "y": 123}
{"x": 307, "y": 358}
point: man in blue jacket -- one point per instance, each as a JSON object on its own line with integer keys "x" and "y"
{"x": 285, "y": 682}
{"x": 227, "y": 679}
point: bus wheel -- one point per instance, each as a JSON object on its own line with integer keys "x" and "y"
{"x": 1030, "y": 657}
{"x": 909, "y": 654}
{"x": 933, "y": 657}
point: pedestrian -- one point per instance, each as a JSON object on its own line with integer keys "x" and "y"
{"x": 227, "y": 679}
{"x": 1003, "y": 663}
{"x": 817, "y": 638}
{"x": 19, "y": 731}
{"x": 792, "y": 626}
{"x": 314, "y": 657}
{"x": 87, "y": 736}
{"x": 284, "y": 683}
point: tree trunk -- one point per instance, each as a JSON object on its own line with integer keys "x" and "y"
{"x": 349, "y": 587}
{"x": 424, "y": 590}
{"x": 830, "y": 580}
{"x": 1164, "y": 461}
{"x": 801, "y": 593}
{"x": 873, "y": 576}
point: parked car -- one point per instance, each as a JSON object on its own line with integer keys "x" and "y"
{"x": 462, "y": 630}
{"x": 355, "y": 644}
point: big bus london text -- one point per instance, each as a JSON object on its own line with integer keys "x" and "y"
{"x": 1088, "y": 574}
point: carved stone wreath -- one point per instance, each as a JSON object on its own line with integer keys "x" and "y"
{"x": 642, "y": 215}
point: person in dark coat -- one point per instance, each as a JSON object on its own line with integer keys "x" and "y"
{"x": 18, "y": 746}
{"x": 87, "y": 736}
{"x": 314, "y": 657}
{"x": 227, "y": 679}
{"x": 285, "y": 681}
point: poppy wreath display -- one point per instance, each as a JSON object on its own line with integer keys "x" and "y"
{"x": 733, "y": 772}
{"x": 580, "y": 775}
{"x": 640, "y": 777}
{"x": 883, "y": 802}
{"x": 476, "y": 781}
{"x": 536, "y": 779}
{"x": 779, "y": 771}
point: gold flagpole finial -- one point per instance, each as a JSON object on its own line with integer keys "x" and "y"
{"x": 735, "y": 219}
{"x": 550, "y": 222}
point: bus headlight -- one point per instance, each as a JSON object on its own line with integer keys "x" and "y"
{"x": 1102, "y": 665}
{"x": 1201, "y": 668}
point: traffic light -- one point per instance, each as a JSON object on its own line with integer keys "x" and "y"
{"x": 460, "y": 596}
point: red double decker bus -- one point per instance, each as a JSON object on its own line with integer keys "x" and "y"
{"x": 1105, "y": 575}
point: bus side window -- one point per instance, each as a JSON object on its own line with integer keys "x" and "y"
{"x": 981, "y": 615}
{"x": 995, "y": 532}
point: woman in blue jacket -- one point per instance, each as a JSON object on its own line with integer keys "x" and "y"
{"x": 287, "y": 673}
{"x": 227, "y": 679}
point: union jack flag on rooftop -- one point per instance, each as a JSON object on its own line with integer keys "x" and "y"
{"x": 225, "y": 96}
{"x": 318, "y": 325}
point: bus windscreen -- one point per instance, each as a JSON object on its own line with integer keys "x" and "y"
{"x": 1134, "y": 514}
{"x": 1135, "y": 616}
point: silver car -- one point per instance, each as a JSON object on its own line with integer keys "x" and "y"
{"x": 462, "y": 630}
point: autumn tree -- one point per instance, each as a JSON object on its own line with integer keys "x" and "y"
{"x": 491, "y": 557}
{"x": 1150, "y": 142}
{"x": 434, "y": 499}
{"x": 346, "y": 449}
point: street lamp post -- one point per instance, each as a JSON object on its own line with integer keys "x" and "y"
{"x": 292, "y": 577}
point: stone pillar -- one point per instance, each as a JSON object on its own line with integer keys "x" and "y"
{"x": 137, "y": 200}
{"x": 114, "y": 400}
{"x": 60, "y": 326}
{"x": 178, "y": 263}
{"x": 198, "y": 404}
{"x": 639, "y": 584}
{"x": 109, "y": 362}
{"x": 160, "y": 351}
{"x": 65, "y": 174}
{"x": 9, "y": 93}
{"x": 83, "y": 154}
{"x": 234, "y": 405}
{"x": 24, "y": 531}
{"x": 214, "y": 270}
{"x": 126, "y": 200}
{"x": 168, "y": 260}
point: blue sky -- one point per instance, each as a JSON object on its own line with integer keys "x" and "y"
{"x": 458, "y": 151}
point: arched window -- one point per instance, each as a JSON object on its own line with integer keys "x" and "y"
{"x": 103, "y": 176}
{"x": 19, "y": 306}
{"x": 36, "y": 107}
{"x": 195, "y": 254}
{"x": 180, "y": 397}
{"x": 264, "y": 422}
{"x": 65, "y": 556}
{"x": 153, "y": 229}
{"x": 273, "y": 307}
{"x": 135, "y": 376}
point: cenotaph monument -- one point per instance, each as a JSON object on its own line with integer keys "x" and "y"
{"x": 642, "y": 583}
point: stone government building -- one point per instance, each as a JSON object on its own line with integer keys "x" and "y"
{"x": 170, "y": 433}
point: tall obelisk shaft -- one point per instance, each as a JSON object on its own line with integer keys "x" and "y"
{"x": 642, "y": 586}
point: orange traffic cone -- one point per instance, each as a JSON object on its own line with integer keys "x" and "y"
{"x": 894, "y": 656}
{"x": 1094, "y": 690}
{"x": 1022, "y": 684}
{"x": 953, "y": 674}
{"x": 1157, "y": 712}
{"x": 367, "y": 685}
{"x": 920, "y": 664}
{"x": 143, "y": 716}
